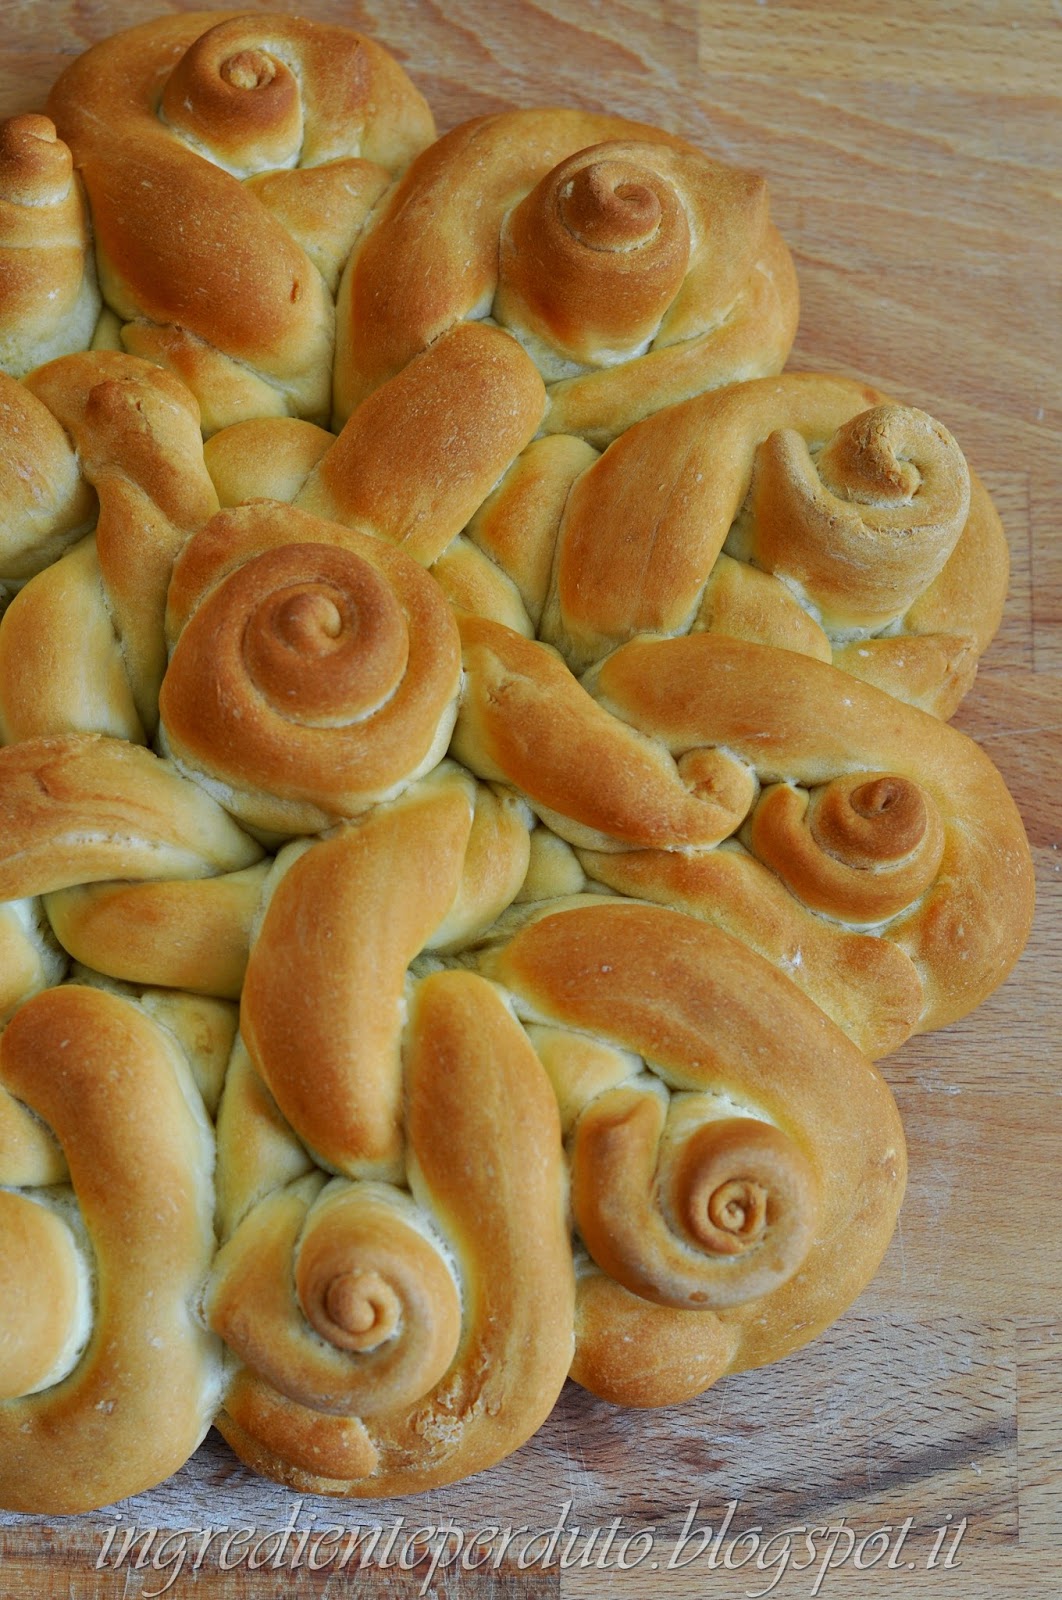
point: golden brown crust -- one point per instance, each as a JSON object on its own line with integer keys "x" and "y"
{"x": 83, "y": 809}
{"x": 366, "y": 1375}
{"x": 193, "y": 935}
{"x": 751, "y": 1162}
{"x": 421, "y": 454}
{"x": 526, "y": 1063}
{"x": 29, "y": 959}
{"x": 164, "y": 121}
{"x": 801, "y": 721}
{"x": 623, "y": 757}
{"x": 315, "y": 669}
{"x": 336, "y": 919}
{"x": 269, "y": 458}
{"x": 856, "y": 510}
{"x": 589, "y": 255}
{"x": 524, "y": 719}
{"x": 49, "y": 301}
{"x": 868, "y": 986}
{"x": 45, "y": 504}
{"x": 82, "y": 647}
{"x": 138, "y": 1397}
{"x": 679, "y": 1356}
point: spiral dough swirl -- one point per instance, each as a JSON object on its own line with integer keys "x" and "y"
{"x": 314, "y": 680}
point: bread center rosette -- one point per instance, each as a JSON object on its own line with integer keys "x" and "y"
{"x": 593, "y": 257}
{"x": 311, "y": 679}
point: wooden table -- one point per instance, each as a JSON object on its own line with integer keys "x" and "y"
{"x": 911, "y": 151}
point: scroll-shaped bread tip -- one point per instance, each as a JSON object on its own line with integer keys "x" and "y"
{"x": 868, "y": 525}
{"x": 594, "y": 255}
{"x": 315, "y": 679}
{"x": 235, "y": 98}
{"x": 705, "y": 1214}
{"x": 862, "y": 848}
{"x": 49, "y": 301}
{"x": 343, "y": 1302}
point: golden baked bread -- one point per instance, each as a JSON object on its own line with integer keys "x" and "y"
{"x": 528, "y": 798}
{"x": 230, "y": 162}
{"x": 142, "y": 875}
{"x": 82, "y": 646}
{"x": 315, "y": 667}
{"x": 805, "y": 511}
{"x": 633, "y": 269}
{"x": 736, "y": 1165}
{"x": 733, "y": 1157}
{"x": 108, "y": 1380}
{"x": 872, "y": 853}
{"x": 49, "y": 299}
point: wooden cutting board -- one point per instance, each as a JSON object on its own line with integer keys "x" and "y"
{"x": 911, "y": 150}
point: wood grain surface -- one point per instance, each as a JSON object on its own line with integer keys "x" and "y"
{"x": 913, "y": 154}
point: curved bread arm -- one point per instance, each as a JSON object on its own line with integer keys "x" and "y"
{"x": 472, "y": 1082}
{"x": 85, "y": 809}
{"x": 134, "y": 1379}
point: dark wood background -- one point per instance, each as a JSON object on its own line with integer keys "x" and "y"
{"x": 913, "y": 153}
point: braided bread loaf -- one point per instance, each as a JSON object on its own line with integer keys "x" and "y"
{"x": 230, "y": 162}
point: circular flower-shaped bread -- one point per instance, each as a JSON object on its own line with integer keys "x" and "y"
{"x": 107, "y": 1380}
{"x": 554, "y": 1061}
{"x": 230, "y": 162}
{"x": 634, "y": 270}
